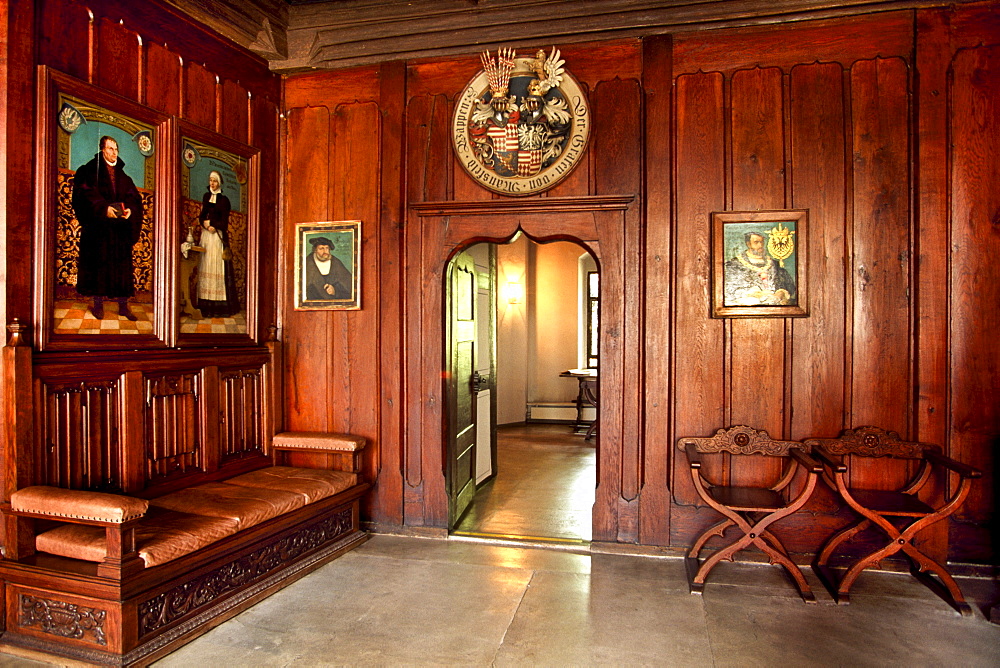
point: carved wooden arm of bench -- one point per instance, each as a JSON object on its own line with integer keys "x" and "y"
{"x": 342, "y": 452}
{"x": 119, "y": 516}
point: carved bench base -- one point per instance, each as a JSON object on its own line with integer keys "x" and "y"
{"x": 81, "y": 617}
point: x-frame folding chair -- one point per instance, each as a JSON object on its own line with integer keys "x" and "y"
{"x": 885, "y": 510}
{"x": 751, "y": 509}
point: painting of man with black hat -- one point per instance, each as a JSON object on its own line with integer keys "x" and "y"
{"x": 328, "y": 266}
{"x": 326, "y": 275}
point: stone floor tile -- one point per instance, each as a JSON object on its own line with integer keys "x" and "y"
{"x": 570, "y": 619}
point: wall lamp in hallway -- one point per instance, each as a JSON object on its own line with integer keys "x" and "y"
{"x": 514, "y": 292}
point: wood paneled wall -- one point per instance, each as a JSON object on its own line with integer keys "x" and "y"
{"x": 879, "y": 125}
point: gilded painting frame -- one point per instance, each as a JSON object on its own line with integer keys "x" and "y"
{"x": 759, "y": 261}
{"x": 74, "y": 119}
{"x": 336, "y": 247}
{"x": 230, "y": 316}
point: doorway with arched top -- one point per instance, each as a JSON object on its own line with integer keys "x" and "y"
{"x": 435, "y": 233}
{"x": 522, "y": 456}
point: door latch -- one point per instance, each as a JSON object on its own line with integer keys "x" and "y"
{"x": 479, "y": 382}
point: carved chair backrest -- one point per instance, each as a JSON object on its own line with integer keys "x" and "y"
{"x": 872, "y": 442}
{"x": 742, "y": 440}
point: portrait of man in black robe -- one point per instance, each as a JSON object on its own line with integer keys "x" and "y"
{"x": 108, "y": 208}
{"x": 326, "y": 276}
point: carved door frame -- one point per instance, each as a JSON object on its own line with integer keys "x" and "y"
{"x": 435, "y": 232}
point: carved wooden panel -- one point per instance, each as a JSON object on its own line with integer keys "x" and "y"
{"x": 202, "y": 591}
{"x": 173, "y": 439}
{"x": 63, "y": 619}
{"x": 80, "y": 439}
{"x": 241, "y": 411}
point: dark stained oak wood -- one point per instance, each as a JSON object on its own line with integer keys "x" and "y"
{"x": 117, "y": 58}
{"x": 697, "y": 367}
{"x": 163, "y": 72}
{"x": 234, "y": 118}
{"x": 880, "y": 267}
{"x": 331, "y": 88}
{"x": 756, "y": 346}
{"x": 264, "y": 127}
{"x": 385, "y": 502}
{"x": 200, "y": 95}
{"x": 617, "y": 152}
{"x": 65, "y": 22}
{"x": 17, "y": 119}
{"x": 874, "y": 123}
{"x": 975, "y": 239}
{"x": 307, "y": 357}
{"x": 659, "y": 265}
{"x": 842, "y": 40}
{"x": 817, "y": 171}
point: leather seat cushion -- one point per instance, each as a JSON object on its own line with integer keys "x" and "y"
{"x": 161, "y": 536}
{"x": 315, "y": 440}
{"x": 247, "y": 505}
{"x": 313, "y": 484}
{"x": 78, "y": 504}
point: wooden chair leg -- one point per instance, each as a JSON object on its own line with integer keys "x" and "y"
{"x": 842, "y": 594}
{"x": 696, "y": 573}
{"x": 946, "y": 587}
{"x": 725, "y": 553}
{"x": 844, "y": 534}
{"x": 781, "y": 557}
{"x": 716, "y": 530}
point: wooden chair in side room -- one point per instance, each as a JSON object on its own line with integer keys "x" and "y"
{"x": 899, "y": 514}
{"x": 588, "y": 390}
{"x": 751, "y": 509}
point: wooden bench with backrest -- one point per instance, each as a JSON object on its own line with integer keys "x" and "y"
{"x": 122, "y": 544}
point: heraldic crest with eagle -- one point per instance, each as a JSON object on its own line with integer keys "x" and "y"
{"x": 522, "y": 123}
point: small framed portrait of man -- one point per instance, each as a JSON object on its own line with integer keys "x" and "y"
{"x": 758, "y": 264}
{"x": 328, "y": 266}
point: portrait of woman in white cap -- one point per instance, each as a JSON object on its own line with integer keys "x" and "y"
{"x": 217, "y": 296}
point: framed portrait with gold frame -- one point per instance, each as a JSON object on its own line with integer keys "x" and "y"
{"x": 217, "y": 240}
{"x": 759, "y": 264}
{"x": 100, "y": 218}
{"x": 328, "y": 266}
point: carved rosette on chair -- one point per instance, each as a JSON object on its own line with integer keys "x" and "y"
{"x": 751, "y": 509}
{"x": 899, "y": 514}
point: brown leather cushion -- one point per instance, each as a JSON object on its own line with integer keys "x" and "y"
{"x": 318, "y": 440}
{"x": 313, "y": 484}
{"x": 77, "y": 504}
{"x": 247, "y": 505}
{"x": 162, "y": 535}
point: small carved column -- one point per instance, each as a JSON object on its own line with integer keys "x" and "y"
{"x": 16, "y": 453}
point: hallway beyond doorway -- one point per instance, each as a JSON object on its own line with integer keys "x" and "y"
{"x": 544, "y": 487}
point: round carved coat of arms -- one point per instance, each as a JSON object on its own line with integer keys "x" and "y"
{"x": 522, "y": 124}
